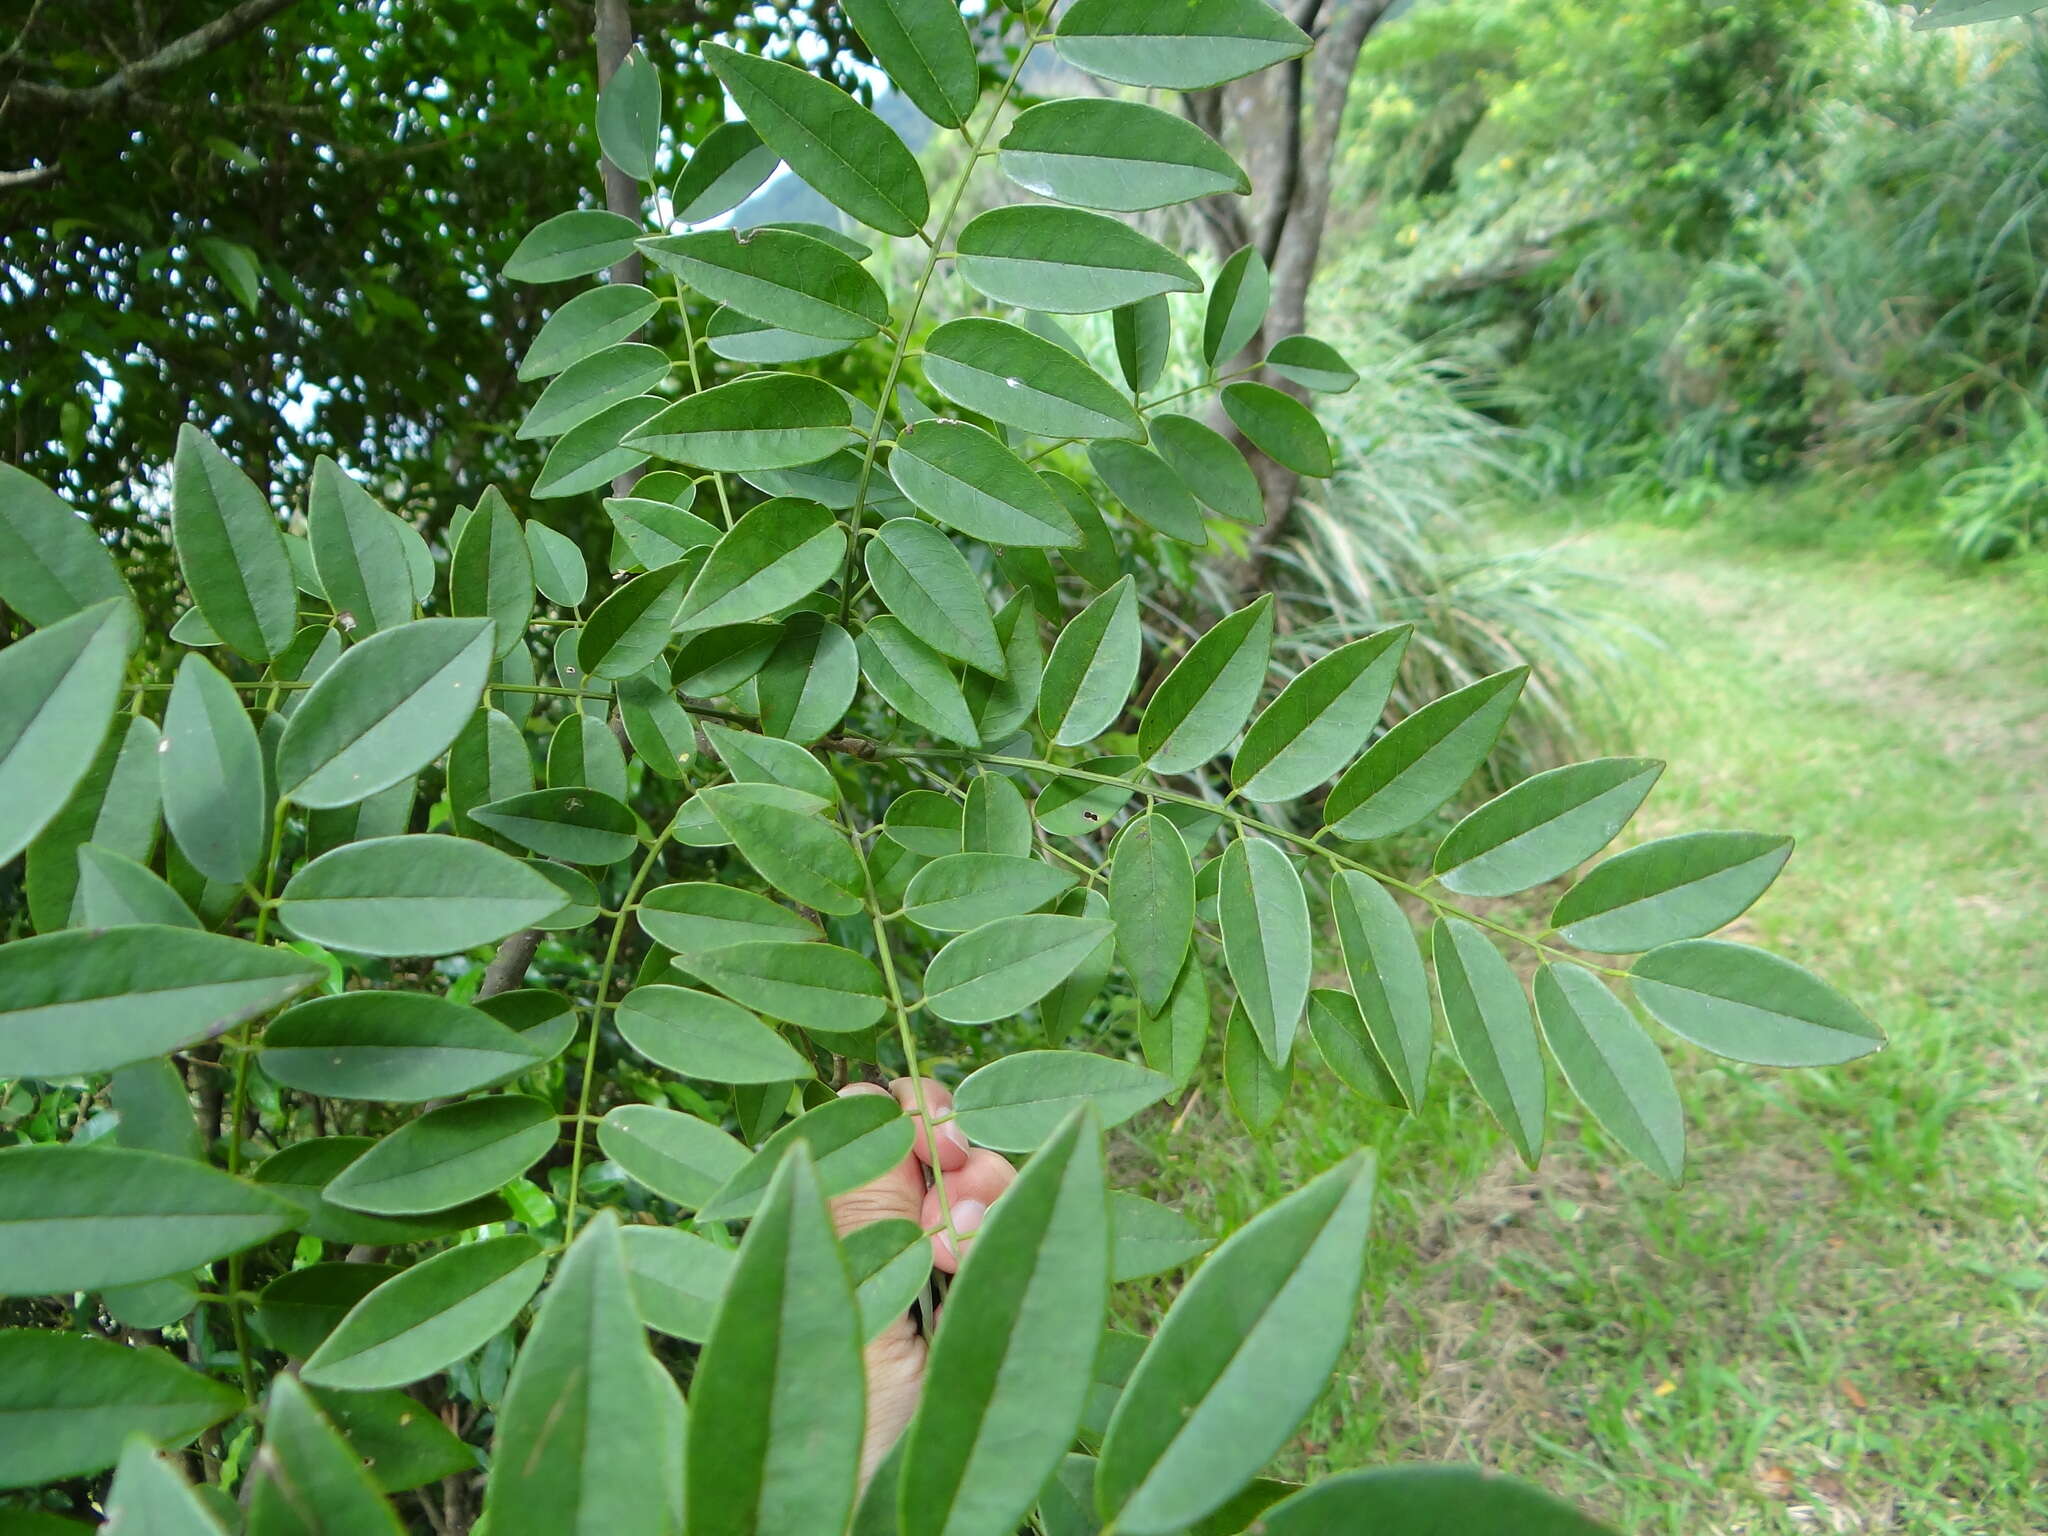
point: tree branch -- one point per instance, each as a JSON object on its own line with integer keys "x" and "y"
{"x": 196, "y": 44}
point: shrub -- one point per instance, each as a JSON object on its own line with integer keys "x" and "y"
{"x": 816, "y": 799}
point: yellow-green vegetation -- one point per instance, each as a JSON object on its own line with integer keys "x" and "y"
{"x": 1840, "y": 1322}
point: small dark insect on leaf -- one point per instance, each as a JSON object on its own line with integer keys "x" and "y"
{"x": 1091, "y": 815}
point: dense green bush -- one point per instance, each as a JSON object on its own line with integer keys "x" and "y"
{"x": 846, "y": 762}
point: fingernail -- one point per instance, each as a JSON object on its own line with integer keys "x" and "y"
{"x": 955, "y": 1138}
{"x": 967, "y": 1217}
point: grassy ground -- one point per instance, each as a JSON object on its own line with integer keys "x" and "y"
{"x": 1840, "y": 1323}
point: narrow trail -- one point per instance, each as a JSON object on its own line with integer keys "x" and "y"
{"x": 1840, "y": 1322}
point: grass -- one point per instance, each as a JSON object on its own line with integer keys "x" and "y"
{"x": 1840, "y": 1322}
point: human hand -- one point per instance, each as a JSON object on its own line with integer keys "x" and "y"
{"x": 974, "y": 1178}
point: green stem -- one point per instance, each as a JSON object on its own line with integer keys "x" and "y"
{"x": 1214, "y": 382}
{"x": 934, "y": 253}
{"x": 904, "y": 1036}
{"x": 697, "y": 385}
{"x": 597, "y": 1007}
{"x": 238, "y": 1103}
{"x": 1267, "y": 829}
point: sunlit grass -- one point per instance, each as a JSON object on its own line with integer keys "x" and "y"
{"x": 1840, "y": 1323}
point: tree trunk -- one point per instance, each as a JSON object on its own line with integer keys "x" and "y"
{"x": 1283, "y": 124}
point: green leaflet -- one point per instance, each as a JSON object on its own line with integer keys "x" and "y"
{"x": 1244, "y": 1352}
{"x": 389, "y": 707}
{"x": 969, "y": 481}
{"x": 1281, "y": 427}
{"x": 802, "y": 857}
{"x": 926, "y": 51}
{"x": 1543, "y": 827}
{"x": 960, "y": 891}
{"x": 1024, "y": 381}
{"x": 491, "y": 572}
{"x": 890, "y": 1261}
{"x": 448, "y": 1157}
{"x": 658, "y": 533}
{"x": 776, "y": 1427}
{"x": 1751, "y": 1006}
{"x": 809, "y": 679}
{"x": 1674, "y": 888}
{"x": 1143, "y": 332}
{"x": 83, "y": 1218}
{"x": 581, "y": 1429}
{"x": 761, "y": 421}
{"x": 755, "y": 759}
{"x": 308, "y": 1479}
{"x": 230, "y": 550}
{"x": 841, "y": 149}
{"x": 1266, "y": 940}
{"x": 87, "y": 1397}
{"x": 699, "y": 1035}
{"x": 1185, "y": 47}
{"x": 1150, "y": 1238}
{"x": 629, "y": 115}
{"x": 1348, "y": 1048}
{"x": 678, "y": 1279}
{"x": 1421, "y": 762}
{"x": 657, "y": 725}
{"x": 1493, "y": 1029}
{"x": 1010, "y": 1368}
{"x": 994, "y": 818}
{"x": 1118, "y": 155}
{"x": 819, "y": 987}
{"x": 358, "y": 552}
{"x": 423, "y": 1319}
{"x": 1063, "y": 1012}
{"x": 679, "y": 1157}
{"x": 914, "y": 680}
{"x": 700, "y": 915}
{"x": 1066, "y": 261}
{"x": 1312, "y": 364}
{"x": 1149, "y": 490}
{"x": 1615, "y": 1069}
{"x": 149, "y": 1495}
{"x": 91, "y": 1000}
{"x": 723, "y": 172}
{"x": 212, "y": 775}
{"x": 592, "y": 385}
{"x": 1206, "y": 698}
{"x": 779, "y": 278}
{"x": 301, "y": 1307}
{"x": 416, "y": 895}
{"x": 1152, "y": 902}
{"x": 1384, "y": 963}
{"x": 302, "y": 1171}
{"x": 1320, "y": 719}
{"x": 630, "y": 628}
{"x": 1000, "y": 705}
{"x": 1256, "y": 1084}
{"x": 583, "y": 751}
{"x": 1093, "y": 667}
{"x": 58, "y": 688}
{"x": 928, "y": 585}
{"x": 1210, "y": 466}
{"x": 1237, "y": 308}
{"x": 117, "y": 892}
{"x": 403, "y": 1047}
{"x": 586, "y": 325}
{"x": 1172, "y": 1038}
{"x": 1017, "y": 1102}
{"x": 576, "y": 826}
{"x": 1004, "y": 967}
{"x": 52, "y": 564}
{"x": 852, "y": 1140}
{"x": 740, "y": 338}
{"x": 1075, "y": 807}
{"x": 1423, "y": 1499}
{"x": 594, "y": 453}
{"x": 558, "y": 568}
{"x": 777, "y": 553}
{"x": 572, "y": 245}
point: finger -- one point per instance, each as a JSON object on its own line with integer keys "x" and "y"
{"x": 970, "y": 1191}
{"x": 952, "y": 1141}
{"x": 897, "y": 1195}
